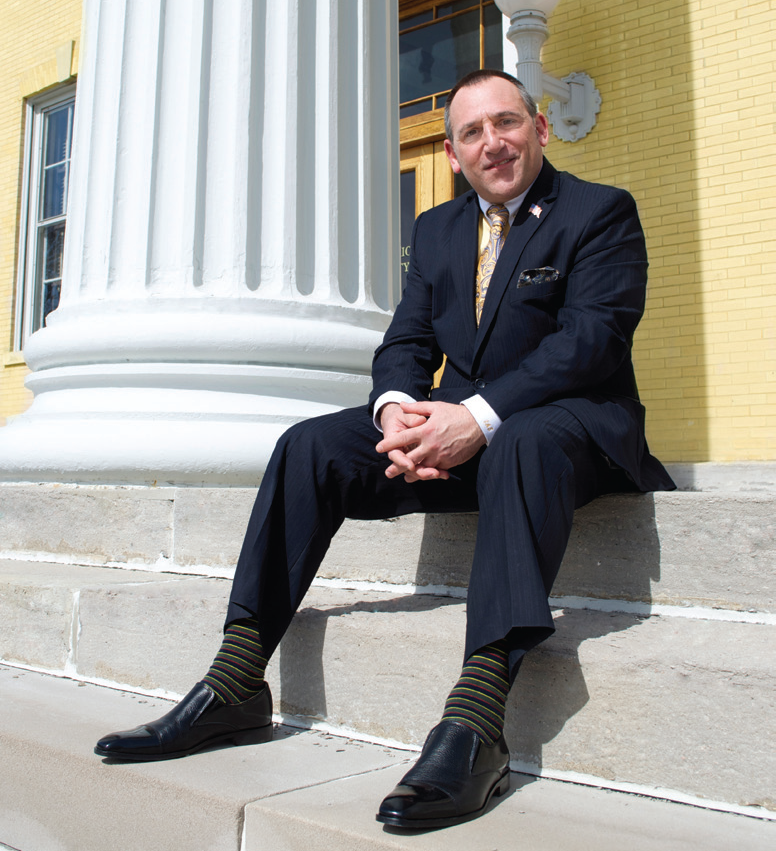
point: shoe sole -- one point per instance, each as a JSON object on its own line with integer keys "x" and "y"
{"x": 254, "y": 736}
{"x": 500, "y": 787}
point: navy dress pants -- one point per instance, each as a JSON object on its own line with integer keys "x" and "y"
{"x": 540, "y": 465}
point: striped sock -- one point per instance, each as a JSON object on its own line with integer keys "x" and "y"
{"x": 237, "y": 672}
{"x": 479, "y": 698}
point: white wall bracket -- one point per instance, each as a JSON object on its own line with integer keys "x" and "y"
{"x": 572, "y": 113}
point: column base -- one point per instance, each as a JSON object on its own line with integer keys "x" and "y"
{"x": 165, "y": 424}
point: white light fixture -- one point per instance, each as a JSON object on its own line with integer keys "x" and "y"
{"x": 575, "y": 99}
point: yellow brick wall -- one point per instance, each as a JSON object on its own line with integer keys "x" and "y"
{"x": 31, "y": 33}
{"x": 687, "y": 125}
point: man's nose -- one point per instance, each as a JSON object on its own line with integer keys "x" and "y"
{"x": 491, "y": 138}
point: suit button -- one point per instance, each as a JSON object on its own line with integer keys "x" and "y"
{"x": 479, "y": 384}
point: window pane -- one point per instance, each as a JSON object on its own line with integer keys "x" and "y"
{"x": 407, "y": 204}
{"x": 51, "y": 248}
{"x": 415, "y": 108}
{"x": 494, "y": 39}
{"x": 448, "y": 8}
{"x": 54, "y": 189}
{"x": 420, "y": 18}
{"x": 432, "y": 59}
{"x": 57, "y": 136}
{"x": 51, "y": 300}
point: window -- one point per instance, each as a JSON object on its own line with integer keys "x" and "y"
{"x": 48, "y": 144}
{"x": 439, "y": 42}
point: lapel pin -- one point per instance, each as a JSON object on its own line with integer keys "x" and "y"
{"x": 535, "y": 209}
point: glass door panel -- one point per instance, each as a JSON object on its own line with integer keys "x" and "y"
{"x": 416, "y": 194}
{"x": 426, "y": 180}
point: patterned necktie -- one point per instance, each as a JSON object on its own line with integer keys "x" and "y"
{"x": 498, "y": 216}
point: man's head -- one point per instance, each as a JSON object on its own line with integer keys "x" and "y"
{"x": 495, "y": 135}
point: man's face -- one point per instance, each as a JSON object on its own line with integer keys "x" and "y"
{"x": 496, "y": 144}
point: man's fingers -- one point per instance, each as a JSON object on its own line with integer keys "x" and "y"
{"x": 406, "y": 439}
{"x": 420, "y": 474}
{"x": 400, "y": 464}
{"x": 445, "y": 435}
{"x": 428, "y": 474}
{"x": 418, "y": 409}
{"x": 393, "y": 418}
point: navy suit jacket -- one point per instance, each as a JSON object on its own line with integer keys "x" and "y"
{"x": 563, "y": 339}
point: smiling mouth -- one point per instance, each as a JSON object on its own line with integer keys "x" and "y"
{"x": 500, "y": 163}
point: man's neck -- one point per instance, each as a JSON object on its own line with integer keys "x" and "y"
{"x": 513, "y": 205}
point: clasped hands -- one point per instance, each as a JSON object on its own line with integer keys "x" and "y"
{"x": 423, "y": 440}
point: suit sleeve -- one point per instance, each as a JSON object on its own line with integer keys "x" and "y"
{"x": 593, "y": 332}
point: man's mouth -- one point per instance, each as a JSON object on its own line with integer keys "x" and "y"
{"x": 500, "y": 163}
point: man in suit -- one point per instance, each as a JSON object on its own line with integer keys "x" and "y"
{"x": 532, "y": 285}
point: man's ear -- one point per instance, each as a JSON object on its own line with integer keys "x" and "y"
{"x": 542, "y": 129}
{"x": 449, "y": 150}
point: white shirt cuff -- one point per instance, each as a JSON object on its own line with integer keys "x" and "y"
{"x": 487, "y": 419}
{"x": 384, "y": 399}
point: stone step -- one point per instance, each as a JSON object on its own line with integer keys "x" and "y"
{"x": 57, "y": 794}
{"x": 661, "y": 701}
{"x": 304, "y": 791}
{"x": 714, "y": 548}
{"x": 677, "y": 549}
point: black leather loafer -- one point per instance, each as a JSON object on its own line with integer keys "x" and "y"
{"x": 452, "y": 782}
{"x": 198, "y": 721}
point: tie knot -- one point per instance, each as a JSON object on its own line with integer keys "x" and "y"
{"x": 498, "y": 215}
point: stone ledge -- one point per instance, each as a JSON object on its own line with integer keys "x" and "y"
{"x": 87, "y": 524}
{"x": 616, "y": 696}
{"x": 305, "y": 791}
{"x": 677, "y": 549}
{"x": 707, "y": 549}
{"x": 732, "y": 477}
{"x": 56, "y": 794}
{"x": 44, "y": 607}
{"x": 541, "y": 815}
{"x": 662, "y": 689}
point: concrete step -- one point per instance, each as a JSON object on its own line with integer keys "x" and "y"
{"x": 666, "y": 607}
{"x": 710, "y": 548}
{"x": 304, "y": 790}
{"x": 680, "y": 549}
{"x": 629, "y": 699}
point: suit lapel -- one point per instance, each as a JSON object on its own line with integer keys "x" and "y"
{"x": 542, "y": 194}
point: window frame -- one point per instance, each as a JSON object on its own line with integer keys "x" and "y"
{"x": 412, "y": 8}
{"x": 28, "y": 284}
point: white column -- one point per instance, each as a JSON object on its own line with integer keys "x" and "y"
{"x": 231, "y": 253}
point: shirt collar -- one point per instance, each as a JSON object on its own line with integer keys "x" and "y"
{"x": 513, "y": 205}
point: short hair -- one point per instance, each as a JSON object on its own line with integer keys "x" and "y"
{"x": 476, "y": 77}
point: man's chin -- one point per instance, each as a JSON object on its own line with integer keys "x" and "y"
{"x": 493, "y": 196}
